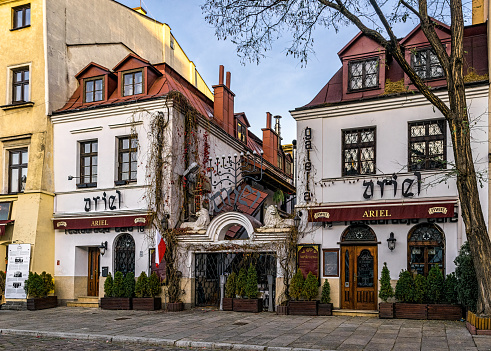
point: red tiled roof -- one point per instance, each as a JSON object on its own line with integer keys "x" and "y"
{"x": 249, "y": 198}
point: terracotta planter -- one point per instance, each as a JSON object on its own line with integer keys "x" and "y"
{"x": 303, "y": 308}
{"x": 281, "y": 310}
{"x": 147, "y": 303}
{"x": 116, "y": 303}
{"x": 175, "y": 306}
{"x": 411, "y": 310}
{"x": 385, "y": 310}
{"x": 324, "y": 309}
{"x": 248, "y": 305}
{"x": 228, "y": 304}
{"x": 445, "y": 312}
{"x": 40, "y": 303}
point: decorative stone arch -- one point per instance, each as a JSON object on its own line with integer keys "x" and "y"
{"x": 358, "y": 233}
{"x": 223, "y": 222}
{"x": 124, "y": 253}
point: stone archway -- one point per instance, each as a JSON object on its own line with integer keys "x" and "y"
{"x": 222, "y": 223}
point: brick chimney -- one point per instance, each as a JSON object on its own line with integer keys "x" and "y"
{"x": 224, "y": 103}
{"x": 270, "y": 142}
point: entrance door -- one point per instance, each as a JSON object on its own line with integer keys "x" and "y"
{"x": 93, "y": 274}
{"x": 359, "y": 277}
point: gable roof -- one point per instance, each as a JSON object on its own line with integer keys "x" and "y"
{"x": 90, "y": 65}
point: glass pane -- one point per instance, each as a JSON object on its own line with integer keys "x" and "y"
{"x": 26, "y": 75}
{"x": 94, "y": 178}
{"x": 134, "y": 142}
{"x": 367, "y": 136}
{"x": 351, "y": 138}
{"x": 18, "y": 77}
{"x": 126, "y": 167}
{"x": 128, "y": 90}
{"x": 86, "y": 161}
{"x": 365, "y": 269}
{"x": 89, "y": 86}
{"x": 356, "y": 83}
{"x": 128, "y": 79}
{"x": 18, "y": 93}
{"x": 94, "y": 171}
{"x": 23, "y": 178}
{"x": 86, "y": 179}
{"x": 98, "y": 84}
{"x": 125, "y": 157}
{"x": 18, "y": 19}
{"x": 371, "y": 67}
{"x": 26, "y": 92}
{"x": 126, "y": 143}
{"x": 367, "y": 153}
{"x": 87, "y": 170}
{"x": 87, "y": 148}
{"x": 134, "y": 156}
{"x": 417, "y": 131}
{"x": 14, "y": 158}
{"x": 435, "y": 147}
{"x": 94, "y": 160}
{"x": 125, "y": 176}
{"x": 435, "y": 129}
{"x": 138, "y": 77}
{"x": 367, "y": 167}
{"x": 94, "y": 146}
{"x": 98, "y": 96}
{"x": 24, "y": 157}
{"x": 138, "y": 88}
{"x": 371, "y": 81}
{"x": 88, "y": 97}
{"x": 28, "y": 16}
{"x": 418, "y": 149}
{"x": 14, "y": 180}
{"x": 133, "y": 175}
{"x": 346, "y": 267}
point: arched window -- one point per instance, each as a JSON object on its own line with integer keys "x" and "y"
{"x": 426, "y": 248}
{"x": 124, "y": 257}
{"x": 359, "y": 232}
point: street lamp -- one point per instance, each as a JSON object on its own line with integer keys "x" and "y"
{"x": 391, "y": 242}
{"x": 103, "y": 247}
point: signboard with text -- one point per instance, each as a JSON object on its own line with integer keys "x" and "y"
{"x": 17, "y": 270}
{"x": 308, "y": 257}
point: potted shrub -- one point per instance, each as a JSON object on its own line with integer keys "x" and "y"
{"x": 325, "y": 306}
{"x": 115, "y": 292}
{"x": 406, "y": 297}
{"x": 251, "y": 303}
{"x": 386, "y": 309}
{"x": 144, "y": 296}
{"x": 240, "y": 284}
{"x": 228, "y": 299}
{"x": 37, "y": 288}
{"x": 442, "y": 295}
{"x": 308, "y": 289}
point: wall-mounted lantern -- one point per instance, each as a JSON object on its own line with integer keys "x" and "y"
{"x": 391, "y": 242}
{"x": 103, "y": 247}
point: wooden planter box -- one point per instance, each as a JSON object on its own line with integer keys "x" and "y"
{"x": 248, "y": 305}
{"x": 385, "y": 310}
{"x": 411, "y": 310}
{"x": 445, "y": 312}
{"x": 478, "y": 325}
{"x": 147, "y": 303}
{"x": 324, "y": 309}
{"x": 303, "y": 308}
{"x": 116, "y": 303}
{"x": 282, "y": 310}
{"x": 175, "y": 307}
{"x": 40, "y": 303}
{"x": 228, "y": 304}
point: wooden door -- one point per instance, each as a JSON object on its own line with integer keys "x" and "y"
{"x": 93, "y": 274}
{"x": 359, "y": 277}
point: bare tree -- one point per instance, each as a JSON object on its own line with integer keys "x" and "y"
{"x": 253, "y": 25}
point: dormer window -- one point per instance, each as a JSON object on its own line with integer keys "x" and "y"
{"x": 426, "y": 64}
{"x": 363, "y": 74}
{"x": 241, "y": 132}
{"x": 94, "y": 89}
{"x": 133, "y": 83}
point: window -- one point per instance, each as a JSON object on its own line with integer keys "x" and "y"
{"x": 288, "y": 167}
{"x": 17, "y": 170}
{"x": 22, "y": 16}
{"x": 359, "y": 151}
{"x": 427, "y": 141}
{"x": 124, "y": 255}
{"x": 20, "y": 85}
{"x": 363, "y": 74}
{"x": 94, "y": 90}
{"x": 331, "y": 262}
{"x": 88, "y": 164}
{"x": 426, "y": 64}
{"x": 280, "y": 161}
{"x": 127, "y": 158}
{"x": 426, "y": 245}
{"x": 133, "y": 83}
{"x": 241, "y": 132}
{"x": 172, "y": 42}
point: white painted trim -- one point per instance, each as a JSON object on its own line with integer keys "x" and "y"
{"x": 86, "y": 130}
{"x": 125, "y": 125}
{"x": 89, "y": 190}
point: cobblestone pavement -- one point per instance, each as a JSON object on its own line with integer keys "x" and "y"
{"x": 201, "y": 329}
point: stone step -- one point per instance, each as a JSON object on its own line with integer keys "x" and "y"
{"x": 355, "y": 313}
{"x": 88, "y": 299}
{"x": 83, "y": 304}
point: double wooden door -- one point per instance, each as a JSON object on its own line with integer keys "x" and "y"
{"x": 359, "y": 277}
{"x": 93, "y": 274}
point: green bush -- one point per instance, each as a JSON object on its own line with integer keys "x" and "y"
{"x": 251, "y": 285}
{"x": 154, "y": 286}
{"x": 118, "y": 285}
{"x": 326, "y": 292}
{"x": 109, "y": 286}
{"x": 386, "y": 290}
{"x": 405, "y": 287}
{"x": 240, "y": 286}
{"x": 451, "y": 294}
{"x": 310, "y": 287}
{"x": 141, "y": 286}
{"x": 35, "y": 286}
{"x": 436, "y": 285}
{"x": 48, "y": 282}
{"x": 296, "y": 285}
{"x": 129, "y": 284}
{"x": 420, "y": 289}
{"x": 230, "y": 285}
{"x": 2, "y": 282}
{"x": 466, "y": 278}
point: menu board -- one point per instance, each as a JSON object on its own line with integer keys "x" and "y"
{"x": 17, "y": 270}
{"x": 5, "y": 211}
{"x": 331, "y": 268}
{"x": 308, "y": 259}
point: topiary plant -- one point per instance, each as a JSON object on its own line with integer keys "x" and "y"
{"x": 34, "y": 286}
{"x": 420, "y": 289}
{"x": 310, "y": 287}
{"x": 241, "y": 282}
{"x": 296, "y": 285}
{"x": 436, "y": 285}
{"x": 251, "y": 289}
{"x": 386, "y": 290}
{"x": 48, "y": 282}
{"x": 467, "y": 288}
{"x": 326, "y": 292}
{"x": 230, "y": 285}
{"x": 108, "y": 286}
{"x": 154, "y": 286}
{"x": 141, "y": 286}
{"x": 118, "y": 285}
{"x": 405, "y": 287}
{"x": 129, "y": 285}
{"x": 451, "y": 295}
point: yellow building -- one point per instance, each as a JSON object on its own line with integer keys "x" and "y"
{"x": 43, "y": 44}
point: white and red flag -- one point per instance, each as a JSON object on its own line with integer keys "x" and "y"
{"x": 159, "y": 249}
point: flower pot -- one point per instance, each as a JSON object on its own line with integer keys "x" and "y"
{"x": 116, "y": 303}
{"x": 445, "y": 312}
{"x": 248, "y": 305}
{"x": 386, "y": 310}
{"x": 175, "y": 306}
{"x": 411, "y": 310}
{"x": 282, "y": 309}
{"x": 324, "y": 309}
{"x": 147, "y": 303}
{"x": 303, "y": 308}
{"x": 40, "y": 303}
{"x": 228, "y": 304}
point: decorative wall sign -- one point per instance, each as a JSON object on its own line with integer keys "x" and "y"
{"x": 17, "y": 270}
{"x": 5, "y": 209}
{"x": 101, "y": 222}
{"x": 108, "y": 202}
{"x": 331, "y": 262}
{"x": 307, "y": 195}
{"x": 407, "y": 186}
{"x": 308, "y": 257}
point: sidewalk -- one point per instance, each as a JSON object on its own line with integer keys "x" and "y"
{"x": 243, "y": 331}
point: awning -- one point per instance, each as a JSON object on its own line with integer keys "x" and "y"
{"x": 101, "y": 222}
{"x": 395, "y": 210}
{"x": 3, "y": 224}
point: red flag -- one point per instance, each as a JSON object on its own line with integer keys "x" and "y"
{"x": 159, "y": 249}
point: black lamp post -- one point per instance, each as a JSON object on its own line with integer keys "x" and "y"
{"x": 391, "y": 242}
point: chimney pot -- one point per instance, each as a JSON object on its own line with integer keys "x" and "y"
{"x": 220, "y": 75}
{"x": 228, "y": 80}
{"x": 268, "y": 120}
